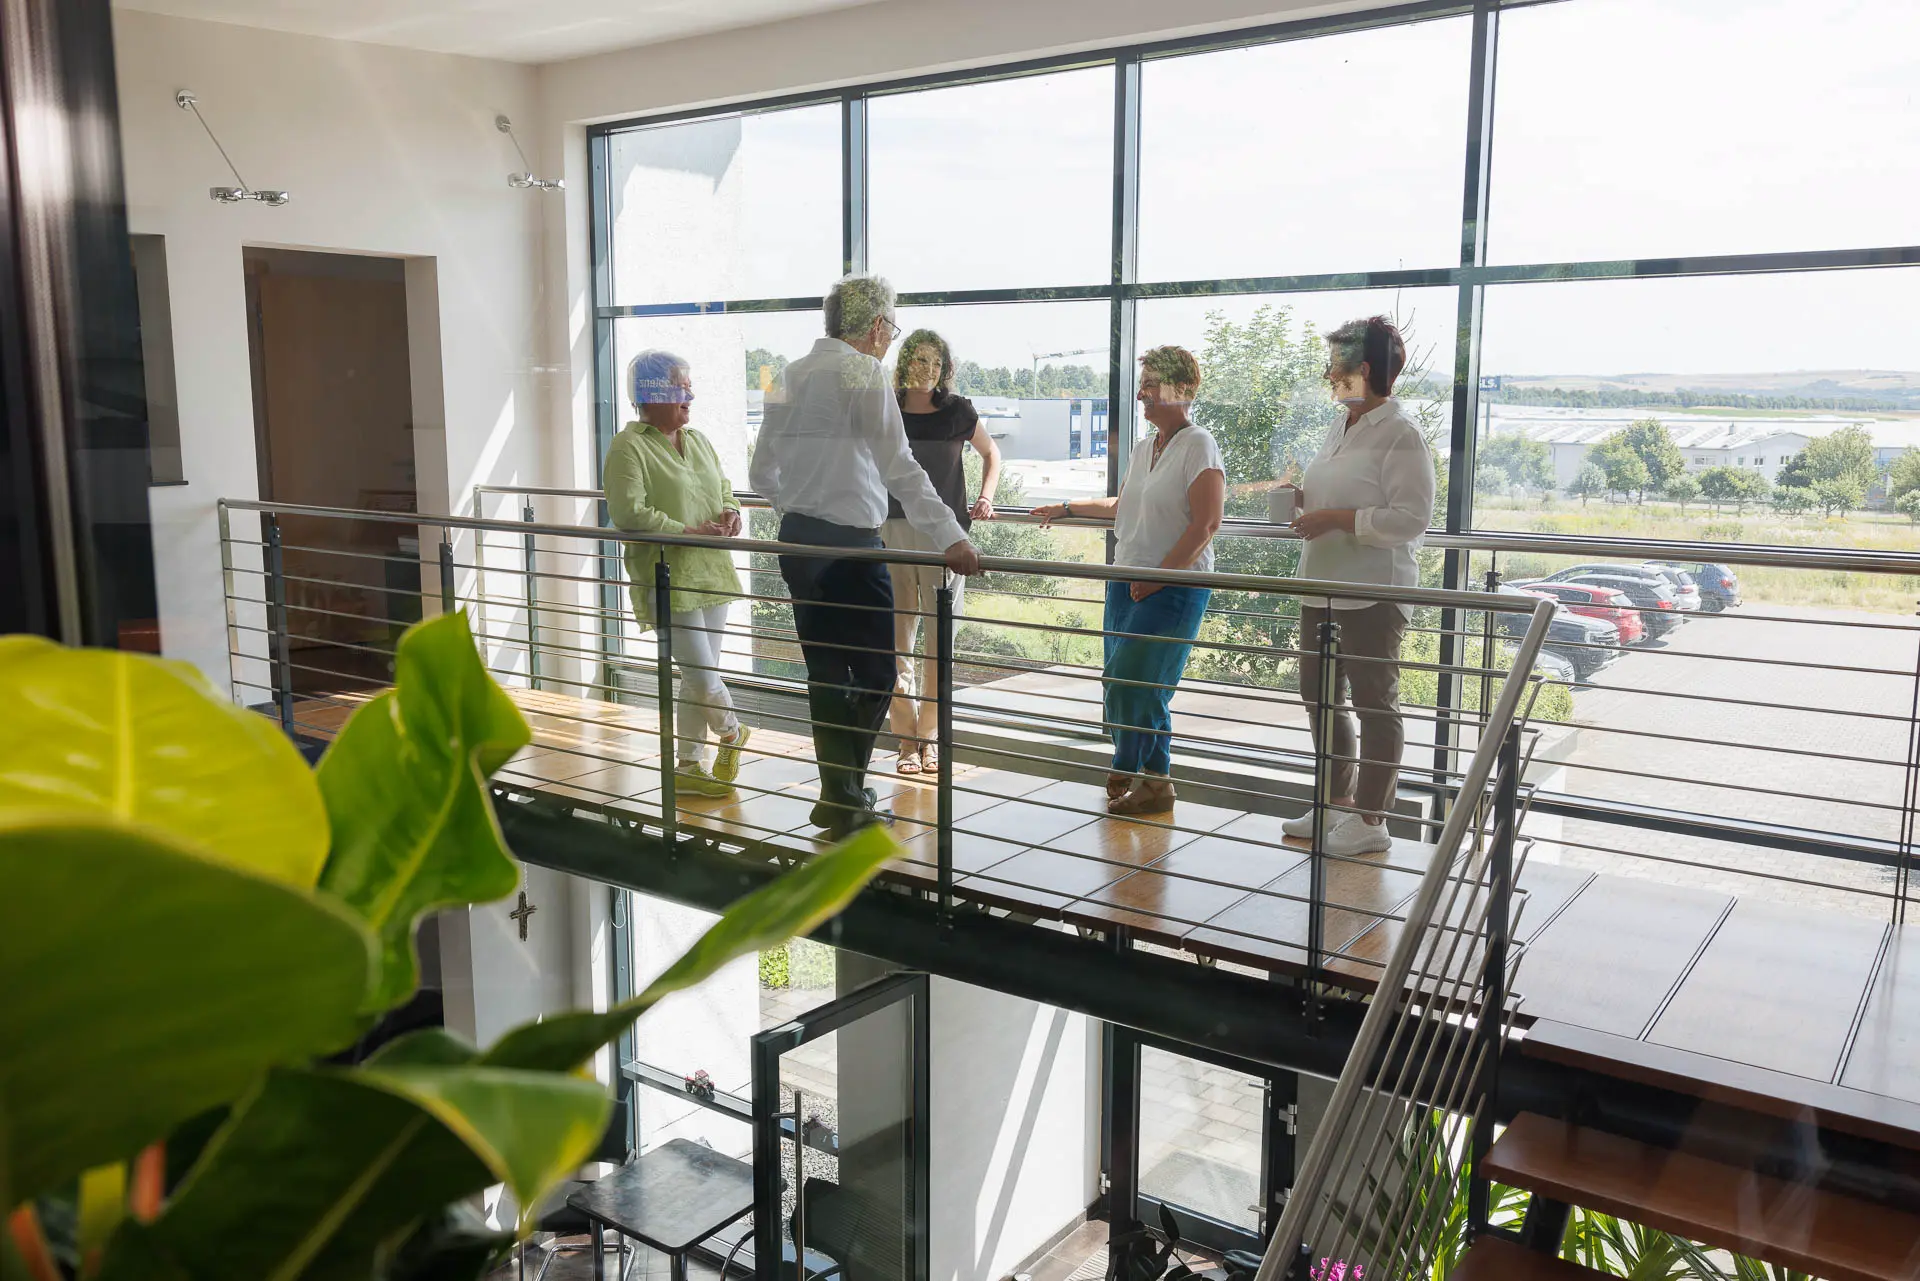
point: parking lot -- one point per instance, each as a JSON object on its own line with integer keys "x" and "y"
{"x": 1746, "y": 715}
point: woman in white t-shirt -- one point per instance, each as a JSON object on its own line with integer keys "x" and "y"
{"x": 1366, "y": 501}
{"x": 1165, "y": 517}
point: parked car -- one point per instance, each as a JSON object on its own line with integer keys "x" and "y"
{"x": 1549, "y": 666}
{"x": 1655, "y": 574}
{"x": 1686, "y": 590}
{"x": 1659, "y": 613}
{"x": 1719, "y": 585}
{"x": 1587, "y": 644}
{"x": 1603, "y": 603}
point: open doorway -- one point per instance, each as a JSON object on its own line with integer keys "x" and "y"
{"x": 333, "y": 422}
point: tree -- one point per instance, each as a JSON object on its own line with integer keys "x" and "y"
{"x": 1587, "y": 482}
{"x": 1720, "y": 485}
{"x": 1524, "y": 462}
{"x": 1796, "y": 474}
{"x": 760, "y": 359}
{"x": 1844, "y": 458}
{"x": 1262, "y": 398}
{"x": 1490, "y": 478}
{"x": 1840, "y": 495}
{"x": 1750, "y": 487}
{"x": 1908, "y": 505}
{"x": 1681, "y": 489}
{"x": 1626, "y": 472}
{"x": 1903, "y": 477}
{"x": 1791, "y": 500}
{"x": 1650, "y": 439}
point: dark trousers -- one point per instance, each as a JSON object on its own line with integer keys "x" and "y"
{"x": 843, "y": 612}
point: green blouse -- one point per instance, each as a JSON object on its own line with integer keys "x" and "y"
{"x": 652, "y": 487}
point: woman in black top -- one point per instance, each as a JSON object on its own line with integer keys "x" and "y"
{"x": 939, "y": 425}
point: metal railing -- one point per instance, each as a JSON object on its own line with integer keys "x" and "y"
{"x": 1019, "y": 824}
{"x": 1771, "y": 750}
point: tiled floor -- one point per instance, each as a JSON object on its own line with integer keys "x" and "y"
{"x": 1603, "y": 951}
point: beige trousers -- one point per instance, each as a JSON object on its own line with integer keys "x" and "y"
{"x": 1367, "y": 687}
{"x": 916, "y": 716}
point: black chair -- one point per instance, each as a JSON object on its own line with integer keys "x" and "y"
{"x": 562, "y": 1220}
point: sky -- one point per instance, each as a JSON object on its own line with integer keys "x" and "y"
{"x": 1623, "y": 128}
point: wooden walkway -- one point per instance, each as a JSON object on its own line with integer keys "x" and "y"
{"x": 1684, "y": 975}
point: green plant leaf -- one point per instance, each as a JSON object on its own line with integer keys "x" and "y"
{"x": 149, "y": 983}
{"x": 457, "y": 1245}
{"x": 798, "y": 902}
{"x": 144, "y": 740}
{"x": 322, "y": 1172}
{"x": 405, "y": 789}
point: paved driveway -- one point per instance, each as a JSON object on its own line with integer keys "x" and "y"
{"x": 1808, "y": 745}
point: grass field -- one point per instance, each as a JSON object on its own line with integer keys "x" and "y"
{"x": 1873, "y": 531}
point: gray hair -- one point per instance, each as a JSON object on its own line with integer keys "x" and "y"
{"x": 855, "y": 302}
{"x": 651, "y": 378}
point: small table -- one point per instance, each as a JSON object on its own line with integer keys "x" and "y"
{"x": 671, "y": 1198}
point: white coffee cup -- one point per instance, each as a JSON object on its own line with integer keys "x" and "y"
{"x": 1283, "y": 504}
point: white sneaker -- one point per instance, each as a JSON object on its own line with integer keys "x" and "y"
{"x": 1354, "y": 835}
{"x": 1303, "y": 825}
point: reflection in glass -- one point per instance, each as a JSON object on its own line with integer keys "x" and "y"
{"x": 1336, "y": 153}
{"x": 1263, "y": 394}
{"x": 736, "y": 357}
{"x": 997, "y": 185}
{"x": 1713, "y": 127}
{"x": 1200, "y": 1136}
{"x": 744, "y": 206}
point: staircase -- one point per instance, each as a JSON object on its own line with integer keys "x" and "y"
{"x": 1830, "y": 1235}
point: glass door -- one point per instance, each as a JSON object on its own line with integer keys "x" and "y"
{"x": 1205, "y": 1136}
{"x": 840, "y": 1138}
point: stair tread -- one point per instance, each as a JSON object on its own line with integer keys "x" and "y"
{"x": 1494, "y": 1258}
{"x": 1830, "y": 1235}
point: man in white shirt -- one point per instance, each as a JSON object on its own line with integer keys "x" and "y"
{"x": 831, "y": 448}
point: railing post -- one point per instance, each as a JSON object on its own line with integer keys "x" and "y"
{"x": 1487, "y": 1040}
{"x": 799, "y": 1186}
{"x": 277, "y": 619}
{"x": 1910, "y": 798}
{"x": 1486, "y": 642}
{"x": 663, "y": 640}
{"x": 448, "y": 603}
{"x": 1328, "y": 642}
{"x": 227, "y": 597}
{"x": 533, "y": 600}
{"x": 943, "y": 703}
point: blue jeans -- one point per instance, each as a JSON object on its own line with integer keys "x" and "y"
{"x": 1138, "y": 715}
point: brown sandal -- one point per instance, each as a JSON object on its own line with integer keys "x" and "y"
{"x": 1150, "y": 795}
{"x": 909, "y": 763}
{"x": 930, "y": 759}
{"x": 1117, "y": 785}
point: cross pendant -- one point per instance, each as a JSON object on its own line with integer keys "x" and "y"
{"x": 521, "y": 914}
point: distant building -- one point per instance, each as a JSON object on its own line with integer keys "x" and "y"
{"x": 1046, "y": 429}
{"x": 1755, "y": 443}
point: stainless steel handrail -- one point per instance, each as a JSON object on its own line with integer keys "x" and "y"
{"x": 1309, "y": 587}
{"x": 1385, "y": 1007}
{"x": 1854, "y": 560}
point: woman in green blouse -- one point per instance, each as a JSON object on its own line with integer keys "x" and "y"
{"x": 663, "y": 477}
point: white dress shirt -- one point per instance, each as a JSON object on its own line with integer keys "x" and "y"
{"x": 1379, "y": 466}
{"x": 832, "y": 446}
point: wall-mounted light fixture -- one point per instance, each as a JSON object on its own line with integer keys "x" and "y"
{"x": 186, "y": 101}
{"x": 525, "y": 179}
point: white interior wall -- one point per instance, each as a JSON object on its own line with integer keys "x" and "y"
{"x": 385, "y": 151}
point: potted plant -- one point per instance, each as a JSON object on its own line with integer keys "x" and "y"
{"x": 197, "y": 920}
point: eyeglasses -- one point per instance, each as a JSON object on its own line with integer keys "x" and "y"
{"x": 893, "y": 330}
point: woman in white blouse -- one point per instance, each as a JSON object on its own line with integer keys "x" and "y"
{"x": 1365, "y": 502}
{"x": 1165, "y": 517}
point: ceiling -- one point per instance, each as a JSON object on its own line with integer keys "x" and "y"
{"x": 512, "y": 30}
